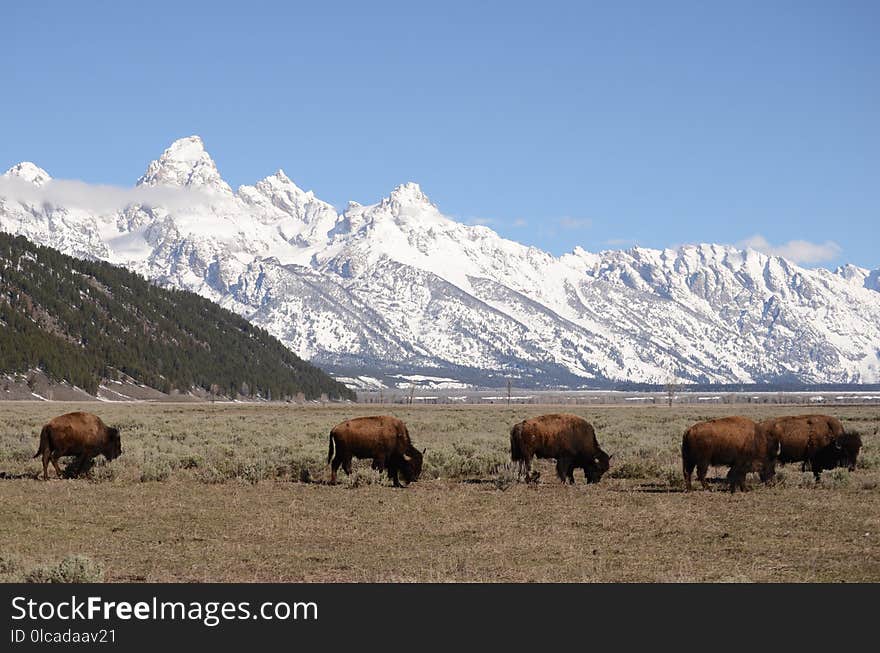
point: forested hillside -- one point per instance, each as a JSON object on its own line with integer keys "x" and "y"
{"x": 84, "y": 321}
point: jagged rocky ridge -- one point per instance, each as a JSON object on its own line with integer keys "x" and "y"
{"x": 397, "y": 288}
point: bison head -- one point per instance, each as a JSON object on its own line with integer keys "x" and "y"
{"x": 113, "y": 447}
{"x": 411, "y": 468}
{"x": 594, "y": 471}
{"x": 848, "y": 446}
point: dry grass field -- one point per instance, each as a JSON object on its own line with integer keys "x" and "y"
{"x": 234, "y": 492}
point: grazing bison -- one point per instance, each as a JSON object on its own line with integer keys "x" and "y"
{"x": 383, "y": 438}
{"x": 817, "y": 440}
{"x": 77, "y": 434}
{"x": 734, "y": 441}
{"x": 569, "y": 439}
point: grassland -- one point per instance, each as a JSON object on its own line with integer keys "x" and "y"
{"x": 237, "y": 492}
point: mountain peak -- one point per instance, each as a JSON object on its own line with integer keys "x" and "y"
{"x": 185, "y": 163}
{"x": 852, "y": 272}
{"x": 276, "y": 179}
{"x": 409, "y": 193}
{"x": 29, "y": 172}
{"x": 190, "y": 148}
{"x": 280, "y": 184}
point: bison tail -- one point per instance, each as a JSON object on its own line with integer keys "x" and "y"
{"x": 515, "y": 436}
{"x": 685, "y": 449}
{"x": 330, "y": 453}
{"x": 44, "y": 442}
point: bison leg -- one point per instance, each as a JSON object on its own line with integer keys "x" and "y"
{"x": 392, "y": 473}
{"x": 81, "y": 463}
{"x": 731, "y": 479}
{"x": 379, "y": 463}
{"x": 688, "y": 469}
{"x": 46, "y": 456}
{"x": 591, "y": 472}
{"x": 768, "y": 474}
{"x": 54, "y": 459}
{"x": 525, "y": 466}
{"x": 564, "y": 469}
{"x": 571, "y": 473}
{"x": 702, "y": 469}
{"x": 736, "y": 477}
{"x": 816, "y": 468}
{"x": 339, "y": 459}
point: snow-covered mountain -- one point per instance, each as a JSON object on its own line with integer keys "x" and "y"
{"x": 397, "y": 288}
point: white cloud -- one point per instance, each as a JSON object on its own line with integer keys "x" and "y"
{"x": 619, "y": 242}
{"x": 797, "y": 251}
{"x": 575, "y": 223}
{"x": 100, "y": 198}
{"x": 520, "y": 222}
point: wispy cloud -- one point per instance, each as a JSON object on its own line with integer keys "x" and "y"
{"x": 575, "y": 223}
{"x": 619, "y": 242}
{"x": 100, "y": 198}
{"x": 495, "y": 222}
{"x": 483, "y": 222}
{"x": 797, "y": 251}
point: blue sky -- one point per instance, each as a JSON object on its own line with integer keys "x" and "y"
{"x": 598, "y": 124}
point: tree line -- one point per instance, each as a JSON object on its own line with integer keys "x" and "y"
{"x": 84, "y": 321}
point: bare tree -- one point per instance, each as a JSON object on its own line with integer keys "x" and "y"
{"x": 671, "y": 389}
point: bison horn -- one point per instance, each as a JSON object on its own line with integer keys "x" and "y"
{"x": 424, "y": 450}
{"x": 407, "y": 458}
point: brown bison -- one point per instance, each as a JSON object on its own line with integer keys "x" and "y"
{"x": 734, "y": 441}
{"x": 817, "y": 440}
{"x": 569, "y": 439}
{"x": 77, "y": 434}
{"x": 383, "y": 438}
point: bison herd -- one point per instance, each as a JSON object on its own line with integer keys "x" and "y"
{"x": 818, "y": 442}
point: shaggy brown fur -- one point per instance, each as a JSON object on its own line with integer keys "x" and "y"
{"x": 77, "y": 434}
{"x": 383, "y": 438}
{"x": 734, "y": 441}
{"x": 569, "y": 439}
